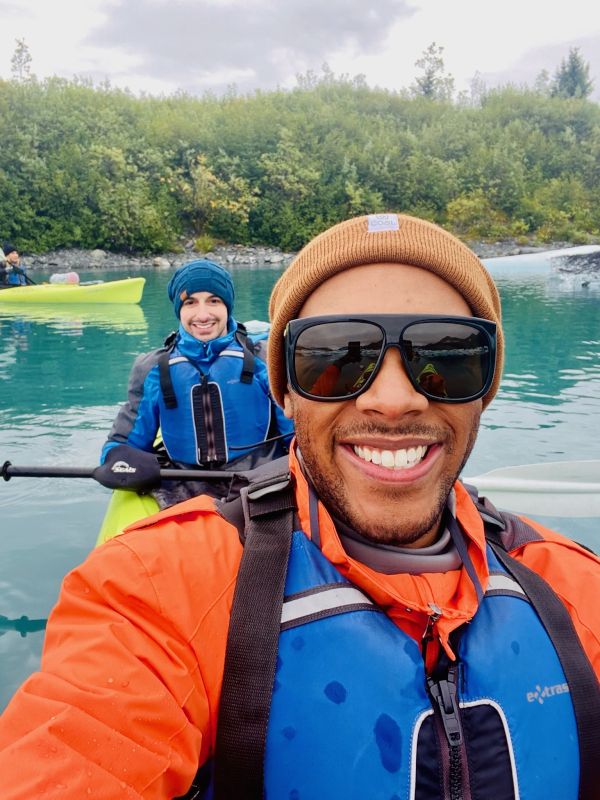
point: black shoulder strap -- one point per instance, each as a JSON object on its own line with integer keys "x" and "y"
{"x": 581, "y": 678}
{"x": 241, "y": 337}
{"x": 166, "y": 384}
{"x": 164, "y": 373}
{"x": 579, "y": 673}
{"x": 252, "y": 643}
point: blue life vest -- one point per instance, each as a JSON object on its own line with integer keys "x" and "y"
{"x": 17, "y": 278}
{"x": 209, "y": 405}
{"x": 351, "y": 717}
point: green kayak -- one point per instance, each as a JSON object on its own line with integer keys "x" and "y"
{"x": 127, "y": 290}
{"x": 124, "y": 508}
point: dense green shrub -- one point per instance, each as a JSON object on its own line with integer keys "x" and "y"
{"x": 89, "y": 166}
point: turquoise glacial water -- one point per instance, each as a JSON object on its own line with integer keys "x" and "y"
{"x": 64, "y": 372}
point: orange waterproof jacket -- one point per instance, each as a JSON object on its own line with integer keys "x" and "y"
{"x": 126, "y": 702}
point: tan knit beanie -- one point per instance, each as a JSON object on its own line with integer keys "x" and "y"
{"x": 374, "y": 239}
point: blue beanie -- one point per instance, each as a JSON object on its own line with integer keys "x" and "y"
{"x": 200, "y": 276}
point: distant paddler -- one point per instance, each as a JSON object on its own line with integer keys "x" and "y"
{"x": 12, "y": 272}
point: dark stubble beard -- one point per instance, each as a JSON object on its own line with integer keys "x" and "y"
{"x": 332, "y": 490}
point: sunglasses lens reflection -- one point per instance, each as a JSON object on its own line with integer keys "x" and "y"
{"x": 336, "y": 359}
{"x": 445, "y": 360}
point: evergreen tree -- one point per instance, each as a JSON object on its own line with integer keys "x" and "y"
{"x": 20, "y": 63}
{"x": 543, "y": 84}
{"x": 572, "y": 78}
{"x": 433, "y": 83}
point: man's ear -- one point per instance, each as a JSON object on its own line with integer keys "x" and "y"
{"x": 288, "y": 409}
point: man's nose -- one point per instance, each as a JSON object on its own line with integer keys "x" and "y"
{"x": 202, "y": 311}
{"x": 391, "y": 394}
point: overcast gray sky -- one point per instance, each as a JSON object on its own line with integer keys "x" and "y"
{"x": 160, "y": 46}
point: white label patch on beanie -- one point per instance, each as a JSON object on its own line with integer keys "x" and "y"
{"x": 382, "y": 222}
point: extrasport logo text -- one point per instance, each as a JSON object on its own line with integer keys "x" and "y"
{"x": 544, "y": 693}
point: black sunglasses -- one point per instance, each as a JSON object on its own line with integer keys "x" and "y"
{"x": 447, "y": 359}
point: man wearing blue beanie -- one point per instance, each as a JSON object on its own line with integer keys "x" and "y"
{"x": 206, "y": 391}
{"x": 201, "y": 276}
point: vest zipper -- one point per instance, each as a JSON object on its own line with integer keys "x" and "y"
{"x": 443, "y": 692}
{"x": 211, "y": 450}
{"x": 442, "y": 687}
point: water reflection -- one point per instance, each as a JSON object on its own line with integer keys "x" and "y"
{"x": 73, "y": 319}
{"x": 548, "y": 343}
{"x": 22, "y": 625}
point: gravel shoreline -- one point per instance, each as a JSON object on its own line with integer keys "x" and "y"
{"x": 227, "y": 255}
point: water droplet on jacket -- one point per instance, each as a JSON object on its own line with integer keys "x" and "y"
{"x": 389, "y": 741}
{"x": 336, "y": 692}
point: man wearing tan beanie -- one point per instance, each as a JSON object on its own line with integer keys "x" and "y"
{"x": 380, "y": 633}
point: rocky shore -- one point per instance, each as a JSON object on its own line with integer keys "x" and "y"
{"x": 227, "y": 255}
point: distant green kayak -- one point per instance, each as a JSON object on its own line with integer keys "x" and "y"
{"x": 127, "y": 290}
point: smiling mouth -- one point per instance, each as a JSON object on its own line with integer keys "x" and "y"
{"x": 203, "y": 325}
{"x": 403, "y": 458}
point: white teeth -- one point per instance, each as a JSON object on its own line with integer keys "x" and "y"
{"x": 392, "y": 459}
{"x": 387, "y": 458}
{"x": 401, "y": 458}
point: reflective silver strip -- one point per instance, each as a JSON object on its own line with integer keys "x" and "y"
{"x": 319, "y": 602}
{"x": 236, "y": 353}
{"x": 504, "y": 583}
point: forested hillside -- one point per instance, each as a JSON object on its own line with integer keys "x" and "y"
{"x": 90, "y": 166}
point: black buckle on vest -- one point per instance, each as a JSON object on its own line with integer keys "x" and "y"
{"x": 270, "y": 496}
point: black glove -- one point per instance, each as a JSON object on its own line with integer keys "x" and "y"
{"x": 127, "y": 467}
